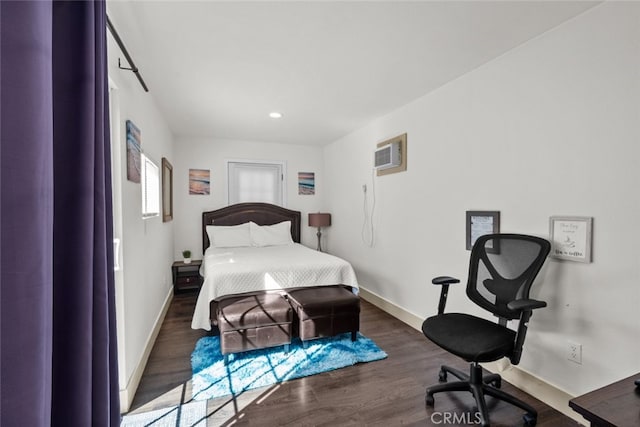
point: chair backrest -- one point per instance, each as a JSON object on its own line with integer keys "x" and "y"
{"x": 503, "y": 268}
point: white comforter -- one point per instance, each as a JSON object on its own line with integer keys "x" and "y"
{"x": 229, "y": 271}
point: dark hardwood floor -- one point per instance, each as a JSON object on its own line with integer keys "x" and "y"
{"x": 389, "y": 392}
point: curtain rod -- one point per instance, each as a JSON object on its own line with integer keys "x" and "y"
{"x": 133, "y": 68}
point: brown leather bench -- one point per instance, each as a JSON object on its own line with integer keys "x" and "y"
{"x": 250, "y": 322}
{"x": 325, "y": 311}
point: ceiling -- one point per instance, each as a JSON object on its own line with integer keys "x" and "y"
{"x": 218, "y": 68}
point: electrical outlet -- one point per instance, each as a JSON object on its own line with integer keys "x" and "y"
{"x": 574, "y": 352}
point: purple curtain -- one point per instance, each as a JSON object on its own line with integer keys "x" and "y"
{"x": 57, "y": 325}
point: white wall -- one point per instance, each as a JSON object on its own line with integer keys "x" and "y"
{"x": 212, "y": 154}
{"x": 147, "y": 245}
{"x": 550, "y": 128}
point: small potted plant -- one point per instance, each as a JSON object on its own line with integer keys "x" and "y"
{"x": 187, "y": 256}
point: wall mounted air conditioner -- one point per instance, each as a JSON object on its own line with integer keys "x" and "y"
{"x": 387, "y": 156}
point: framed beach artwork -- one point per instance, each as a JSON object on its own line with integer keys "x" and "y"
{"x": 199, "y": 181}
{"x": 306, "y": 183}
{"x": 133, "y": 152}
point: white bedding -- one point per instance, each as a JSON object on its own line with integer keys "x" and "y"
{"x": 228, "y": 271}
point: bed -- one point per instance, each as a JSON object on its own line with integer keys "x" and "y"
{"x": 236, "y": 269}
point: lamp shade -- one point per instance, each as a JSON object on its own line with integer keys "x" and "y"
{"x": 319, "y": 219}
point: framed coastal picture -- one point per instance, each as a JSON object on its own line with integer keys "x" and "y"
{"x": 306, "y": 183}
{"x": 570, "y": 237}
{"x": 199, "y": 181}
{"x": 133, "y": 152}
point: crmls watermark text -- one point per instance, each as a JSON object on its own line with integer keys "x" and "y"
{"x": 452, "y": 418}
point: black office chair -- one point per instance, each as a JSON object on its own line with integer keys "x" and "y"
{"x": 501, "y": 271}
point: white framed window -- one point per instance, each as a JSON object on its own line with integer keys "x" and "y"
{"x": 256, "y": 181}
{"x": 150, "y": 184}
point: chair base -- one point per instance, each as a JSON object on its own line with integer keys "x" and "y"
{"x": 479, "y": 386}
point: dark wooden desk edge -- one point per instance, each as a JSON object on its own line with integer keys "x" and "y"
{"x": 594, "y": 419}
{"x": 588, "y": 404}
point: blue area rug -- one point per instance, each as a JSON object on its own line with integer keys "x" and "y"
{"x": 258, "y": 368}
{"x": 192, "y": 414}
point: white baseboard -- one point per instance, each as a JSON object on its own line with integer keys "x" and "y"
{"x": 127, "y": 394}
{"x": 525, "y": 381}
{"x": 536, "y": 387}
{"x": 396, "y": 311}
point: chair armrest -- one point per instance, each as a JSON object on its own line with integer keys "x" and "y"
{"x": 525, "y": 304}
{"x": 525, "y": 307}
{"x": 444, "y": 281}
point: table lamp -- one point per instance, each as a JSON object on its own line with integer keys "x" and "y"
{"x": 319, "y": 220}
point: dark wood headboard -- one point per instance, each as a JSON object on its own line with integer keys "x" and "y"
{"x": 260, "y": 213}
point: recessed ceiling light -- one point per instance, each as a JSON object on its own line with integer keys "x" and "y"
{"x": 275, "y": 115}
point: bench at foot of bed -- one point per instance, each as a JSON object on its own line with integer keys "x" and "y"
{"x": 254, "y": 321}
{"x": 325, "y": 311}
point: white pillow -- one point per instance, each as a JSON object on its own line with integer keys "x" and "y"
{"x": 271, "y": 235}
{"x": 229, "y": 236}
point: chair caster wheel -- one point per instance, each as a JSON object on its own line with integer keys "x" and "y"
{"x": 429, "y": 400}
{"x": 497, "y": 383}
{"x": 529, "y": 420}
{"x": 442, "y": 376}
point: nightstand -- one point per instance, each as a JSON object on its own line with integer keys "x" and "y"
{"x": 186, "y": 277}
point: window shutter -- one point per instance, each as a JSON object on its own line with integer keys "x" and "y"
{"x": 255, "y": 182}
